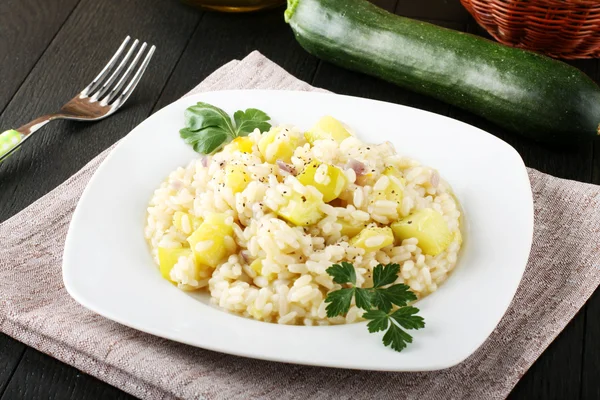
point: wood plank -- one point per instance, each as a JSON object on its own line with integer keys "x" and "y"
{"x": 80, "y": 49}
{"x": 11, "y": 352}
{"x": 221, "y": 38}
{"x": 389, "y": 5}
{"x": 557, "y": 373}
{"x": 23, "y": 38}
{"x": 39, "y": 376}
{"x": 444, "y": 10}
{"x": 590, "y": 385}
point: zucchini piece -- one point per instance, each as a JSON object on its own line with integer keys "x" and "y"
{"x": 208, "y": 242}
{"x": 373, "y": 239}
{"x": 428, "y": 226}
{"x": 536, "y": 96}
{"x": 327, "y": 128}
{"x": 302, "y": 210}
{"x": 333, "y": 183}
{"x": 168, "y": 257}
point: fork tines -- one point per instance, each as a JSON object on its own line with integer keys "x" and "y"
{"x": 119, "y": 69}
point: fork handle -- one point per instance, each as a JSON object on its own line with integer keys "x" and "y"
{"x": 9, "y": 141}
{"x": 12, "y": 139}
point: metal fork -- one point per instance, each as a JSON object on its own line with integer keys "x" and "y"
{"x": 101, "y": 98}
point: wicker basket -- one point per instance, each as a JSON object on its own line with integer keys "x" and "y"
{"x": 559, "y": 28}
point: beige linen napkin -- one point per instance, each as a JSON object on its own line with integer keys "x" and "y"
{"x": 562, "y": 273}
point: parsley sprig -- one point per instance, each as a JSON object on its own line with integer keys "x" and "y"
{"x": 207, "y": 127}
{"x": 378, "y": 302}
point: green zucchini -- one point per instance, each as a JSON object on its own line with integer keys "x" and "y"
{"x": 525, "y": 92}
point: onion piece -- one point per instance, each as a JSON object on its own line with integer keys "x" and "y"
{"x": 177, "y": 185}
{"x": 287, "y": 168}
{"x": 245, "y": 255}
{"x": 358, "y": 167}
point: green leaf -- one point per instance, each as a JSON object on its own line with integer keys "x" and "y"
{"x": 400, "y": 294}
{"x": 379, "y": 320}
{"x": 363, "y": 298}
{"x": 343, "y": 273}
{"x": 396, "y": 338}
{"x": 205, "y": 141}
{"x": 383, "y": 276}
{"x": 406, "y": 318}
{"x": 204, "y": 115}
{"x": 339, "y": 302}
{"x": 384, "y": 298}
{"x": 377, "y": 302}
{"x": 381, "y": 300}
{"x": 247, "y": 121}
{"x": 207, "y": 128}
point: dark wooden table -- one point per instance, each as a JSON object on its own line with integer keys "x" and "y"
{"x": 50, "y": 48}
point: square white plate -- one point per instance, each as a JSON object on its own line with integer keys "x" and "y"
{"x": 107, "y": 266}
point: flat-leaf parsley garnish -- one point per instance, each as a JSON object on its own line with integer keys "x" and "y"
{"x": 386, "y": 305}
{"x": 207, "y": 127}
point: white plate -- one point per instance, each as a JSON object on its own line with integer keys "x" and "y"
{"x": 108, "y": 269}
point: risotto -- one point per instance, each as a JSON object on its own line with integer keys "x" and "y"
{"x": 258, "y": 223}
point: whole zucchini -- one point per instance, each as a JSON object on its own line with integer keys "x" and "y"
{"x": 525, "y": 92}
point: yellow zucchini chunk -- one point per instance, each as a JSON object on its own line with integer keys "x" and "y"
{"x": 168, "y": 257}
{"x": 428, "y": 226}
{"x": 302, "y": 210}
{"x": 243, "y": 144}
{"x": 327, "y": 128}
{"x": 236, "y": 178}
{"x": 257, "y": 266}
{"x": 332, "y": 179}
{"x": 208, "y": 242}
{"x": 351, "y": 228}
{"x": 277, "y": 144}
{"x": 373, "y": 239}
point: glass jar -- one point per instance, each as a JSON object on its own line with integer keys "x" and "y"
{"x": 235, "y": 5}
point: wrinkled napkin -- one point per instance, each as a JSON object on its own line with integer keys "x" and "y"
{"x": 35, "y": 308}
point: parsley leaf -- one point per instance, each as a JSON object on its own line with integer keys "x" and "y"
{"x": 249, "y": 120}
{"x": 399, "y": 295}
{"x": 381, "y": 300}
{"x": 383, "y": 276}
{"x": 207, "y": 127}
{"x": 406, "y": 318}
{"x": 378, "y": 302}
{"x": 205, "y": 141}
{"x": 204, "y": 115}
{"x": 343, "y": 273}
{"x": 379, "y": 320}
{"x": 363, "y": 298}
{"x": 339, "y": 302}
{"x": 396, "y": 338}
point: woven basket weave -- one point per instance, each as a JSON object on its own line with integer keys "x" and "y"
{"x": 559, "y": 28}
